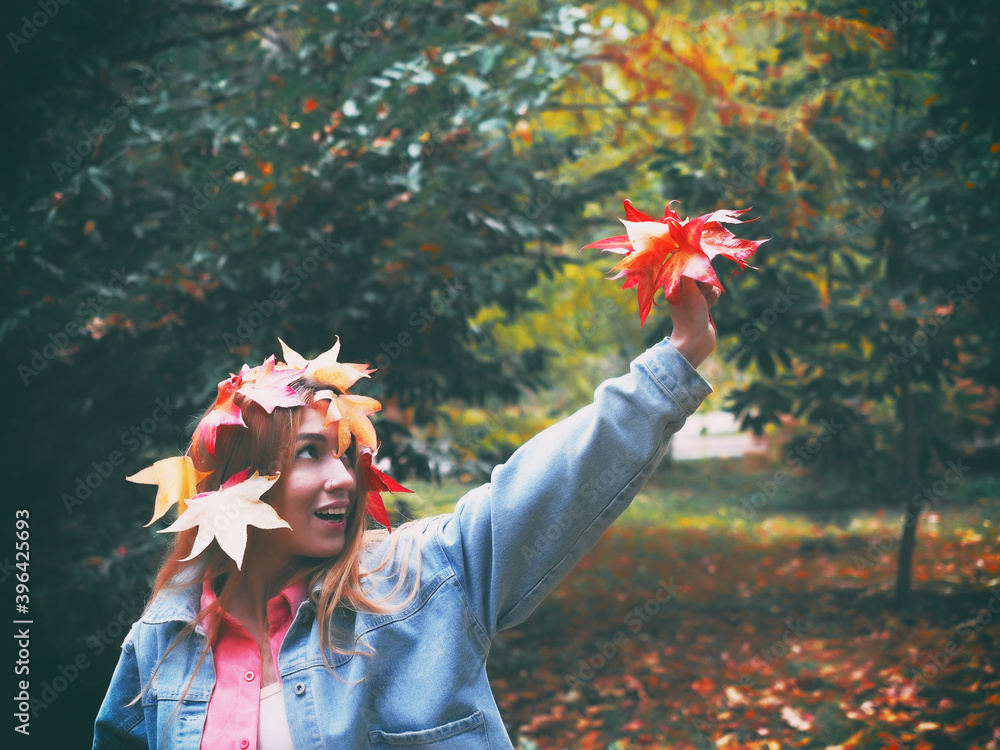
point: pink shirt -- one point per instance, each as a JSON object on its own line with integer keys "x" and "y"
{"x": 233, "y": 709}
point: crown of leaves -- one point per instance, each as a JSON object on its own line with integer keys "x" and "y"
{"x": 238, "y": 499}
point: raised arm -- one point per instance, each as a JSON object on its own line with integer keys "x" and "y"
{"x": 511, "y": 541}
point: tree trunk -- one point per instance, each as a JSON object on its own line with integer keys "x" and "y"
{"x": 911, "y": 514}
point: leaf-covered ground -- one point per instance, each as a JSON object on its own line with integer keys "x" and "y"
{"x": 774, "y": 633}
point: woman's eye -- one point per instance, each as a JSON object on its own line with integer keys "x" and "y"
{"x": 312, "y": 450}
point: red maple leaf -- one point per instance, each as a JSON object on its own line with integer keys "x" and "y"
{"x": 240, "y": 476}
{"x": 378, "y": 482}
{"x": 658, "y": 253}
{"x": 268, "y": 385}
{"x": 224, "y": 411}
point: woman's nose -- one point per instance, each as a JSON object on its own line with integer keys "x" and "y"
{"x": 338, "y": 476}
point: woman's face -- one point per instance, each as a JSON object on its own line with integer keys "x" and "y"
{"x": 315, "y": 483}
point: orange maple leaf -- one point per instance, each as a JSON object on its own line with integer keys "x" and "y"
{"x": 325, "y": 368}
{"x": 352, "y": 412}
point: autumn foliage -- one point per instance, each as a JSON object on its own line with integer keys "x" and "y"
{"x": 658, "y": 253}
{"x": 771, "y": 638}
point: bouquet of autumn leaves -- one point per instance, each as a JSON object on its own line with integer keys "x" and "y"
{"x": 238, "y": 499}
{"x": 658, "y": 253}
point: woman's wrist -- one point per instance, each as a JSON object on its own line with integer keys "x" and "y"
{"x": 693, "y": 350}
{"x": 694, "y": 332}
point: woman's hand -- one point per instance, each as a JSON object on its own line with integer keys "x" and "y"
{"x": 694, "y": 332}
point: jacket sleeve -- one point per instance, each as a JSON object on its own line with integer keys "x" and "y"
{"x": 512, "y": 540}
{"x": 118, "y": 725}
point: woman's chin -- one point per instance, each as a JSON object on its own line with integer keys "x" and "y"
{"x": 322, "y": 550}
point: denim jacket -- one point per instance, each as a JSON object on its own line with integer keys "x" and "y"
{"x": 485, "y": 567}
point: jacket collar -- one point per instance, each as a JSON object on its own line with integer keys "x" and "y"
{"x": 177, "y": 604}
{"x": 183, "y": 604}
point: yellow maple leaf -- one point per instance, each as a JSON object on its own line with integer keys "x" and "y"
{"x": 176, "y": 479}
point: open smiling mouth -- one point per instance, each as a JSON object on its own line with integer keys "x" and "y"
{"x": 333, "y": 517}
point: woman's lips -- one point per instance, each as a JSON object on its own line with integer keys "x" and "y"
{"x": 332, "y": 524}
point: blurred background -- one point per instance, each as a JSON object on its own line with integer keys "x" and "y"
{"x": 185, "y": 181}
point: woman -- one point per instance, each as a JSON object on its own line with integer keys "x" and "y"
{"x": 313, "y": 628}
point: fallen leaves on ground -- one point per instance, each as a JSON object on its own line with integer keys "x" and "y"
{"x": 777, "y": 638}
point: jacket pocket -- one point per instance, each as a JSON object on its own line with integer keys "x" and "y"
{"x": 469, "y": 732}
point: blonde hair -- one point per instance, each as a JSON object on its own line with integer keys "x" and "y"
{"x": 266, "y": 445}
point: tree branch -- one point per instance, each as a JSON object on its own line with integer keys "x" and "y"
{"x": 177, "y": 41}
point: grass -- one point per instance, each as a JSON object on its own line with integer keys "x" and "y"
{"x": 717, "y": 667}
{"x": 709, "y": 494}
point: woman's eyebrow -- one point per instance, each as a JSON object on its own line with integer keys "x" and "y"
{"x": 316, "y": 436}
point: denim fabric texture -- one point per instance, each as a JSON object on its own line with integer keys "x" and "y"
{"x": 486, "y": 566}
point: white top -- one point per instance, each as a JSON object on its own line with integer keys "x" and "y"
{"x": 272, "y": 730}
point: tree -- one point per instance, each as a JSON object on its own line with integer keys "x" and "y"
{"x": 879, "y": 180}
{"x": 841, "y": 126}
{"x": 189, "y": 181}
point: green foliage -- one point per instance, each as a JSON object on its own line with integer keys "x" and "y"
{"x": 185, "y": 182}
{"x": 584, "y": 327}
{"x": 881, "y": 204}
{"x": 879, "y": 178}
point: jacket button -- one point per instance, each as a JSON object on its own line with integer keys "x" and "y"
{"x": 248, "y": 676}
{"x": 300, "y": 688}
{"x": 244, "y": 744}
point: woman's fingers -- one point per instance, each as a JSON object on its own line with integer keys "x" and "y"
{"x": 710, "y": 293}
{"x": 689, "y": 290}
{"x": 694, "y": 332}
